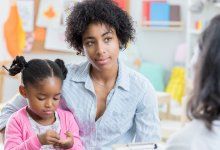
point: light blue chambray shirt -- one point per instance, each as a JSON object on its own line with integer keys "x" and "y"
{"x": 131, "y": 112}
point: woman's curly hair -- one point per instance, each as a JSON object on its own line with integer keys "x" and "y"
{"x": 98, "y": 11}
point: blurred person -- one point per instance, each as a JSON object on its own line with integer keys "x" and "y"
{"x": 203, "y": 132}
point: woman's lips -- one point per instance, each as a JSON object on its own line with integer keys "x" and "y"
{"x": 102, "y": 61}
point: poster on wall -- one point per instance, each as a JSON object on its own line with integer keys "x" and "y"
{"x": 26, "y": 12}
{"x": 4, "y": 12}
{"x": 67, "y": 6}
{"x": 55, "y": 39}
{"x": 49, "y": 13}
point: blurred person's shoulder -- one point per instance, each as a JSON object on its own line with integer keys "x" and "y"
{"x": 194, "y": 136}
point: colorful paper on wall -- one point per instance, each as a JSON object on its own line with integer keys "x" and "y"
{"x": 40, "y": 33}
{"x": 14, "y": 33}
{"x": 26, "y": 12}
{"x": 29, "y": 41}
{"x": 49, "y": 13}
{"x": 67, "y": 5}
{"x": 4, "y": 11}
{"x": 122, "y": 4}
{"x": 55, "y": 39}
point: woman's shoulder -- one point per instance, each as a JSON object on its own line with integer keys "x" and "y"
{"x": 74, "y": 69}
{"x": 137, "y": 79}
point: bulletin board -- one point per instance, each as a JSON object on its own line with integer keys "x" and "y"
{"x": 39, "y": 45}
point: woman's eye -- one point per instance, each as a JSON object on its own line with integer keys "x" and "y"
{"x": 107, "y": 39}
{"x": 90, "y": 43}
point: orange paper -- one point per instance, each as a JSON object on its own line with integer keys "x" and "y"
{"x": 14, "y": 33}
{"x": 40, "y": 33}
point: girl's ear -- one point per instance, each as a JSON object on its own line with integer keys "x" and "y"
{"x": 22, "y": 91}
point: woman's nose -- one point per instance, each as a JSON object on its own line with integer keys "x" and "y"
{"x": 100, "y": 48}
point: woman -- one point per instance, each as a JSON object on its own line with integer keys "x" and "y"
{"x": 203, "y": 133}
{"x": 110, "y": 102}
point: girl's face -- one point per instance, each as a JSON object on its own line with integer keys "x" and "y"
{"x": 101, "y": 46}
{"x": 44, "y": 98}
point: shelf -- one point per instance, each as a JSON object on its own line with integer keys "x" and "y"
{"x": 162, "y": 25}
{"x": 162, "y": 28}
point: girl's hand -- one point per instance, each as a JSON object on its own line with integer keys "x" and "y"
{"x": 66, "y": 143}
{"x": 50, "y": 137}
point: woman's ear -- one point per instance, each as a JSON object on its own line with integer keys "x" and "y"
{"x": 22, "y": 91}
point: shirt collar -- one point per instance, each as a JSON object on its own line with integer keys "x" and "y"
{"x": 82, "y": 75}
{"x": 123, "y": 76}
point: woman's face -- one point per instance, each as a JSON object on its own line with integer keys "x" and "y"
{"x": 101, "y": 46}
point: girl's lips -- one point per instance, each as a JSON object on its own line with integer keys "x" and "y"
{"x": 48, "y": 112}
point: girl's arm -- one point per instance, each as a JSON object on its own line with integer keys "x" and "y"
{"x": 14, "y": 138}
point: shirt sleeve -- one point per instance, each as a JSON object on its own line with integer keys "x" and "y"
{"x": 14, "y": 138}
{"x": 16, "y": 103}
{"x": 147, "y": 118}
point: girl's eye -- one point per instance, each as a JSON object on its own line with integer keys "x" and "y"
{"x": 41, "y": 98}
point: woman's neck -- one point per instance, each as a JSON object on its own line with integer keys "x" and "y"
{"x": 105, "y": 77}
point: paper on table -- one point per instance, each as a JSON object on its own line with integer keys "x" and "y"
{"x": 135, "y": 146}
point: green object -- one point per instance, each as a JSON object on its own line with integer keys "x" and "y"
{"x": 155, "y": 74}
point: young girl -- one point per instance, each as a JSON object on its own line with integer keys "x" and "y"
{"x": 40, "y": 125}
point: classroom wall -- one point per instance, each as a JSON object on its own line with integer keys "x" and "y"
{"x": 158, "y": 46}
{"x": 153, "y": 46}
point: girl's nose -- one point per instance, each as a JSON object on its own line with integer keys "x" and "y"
{"x": 48, "y": 103}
